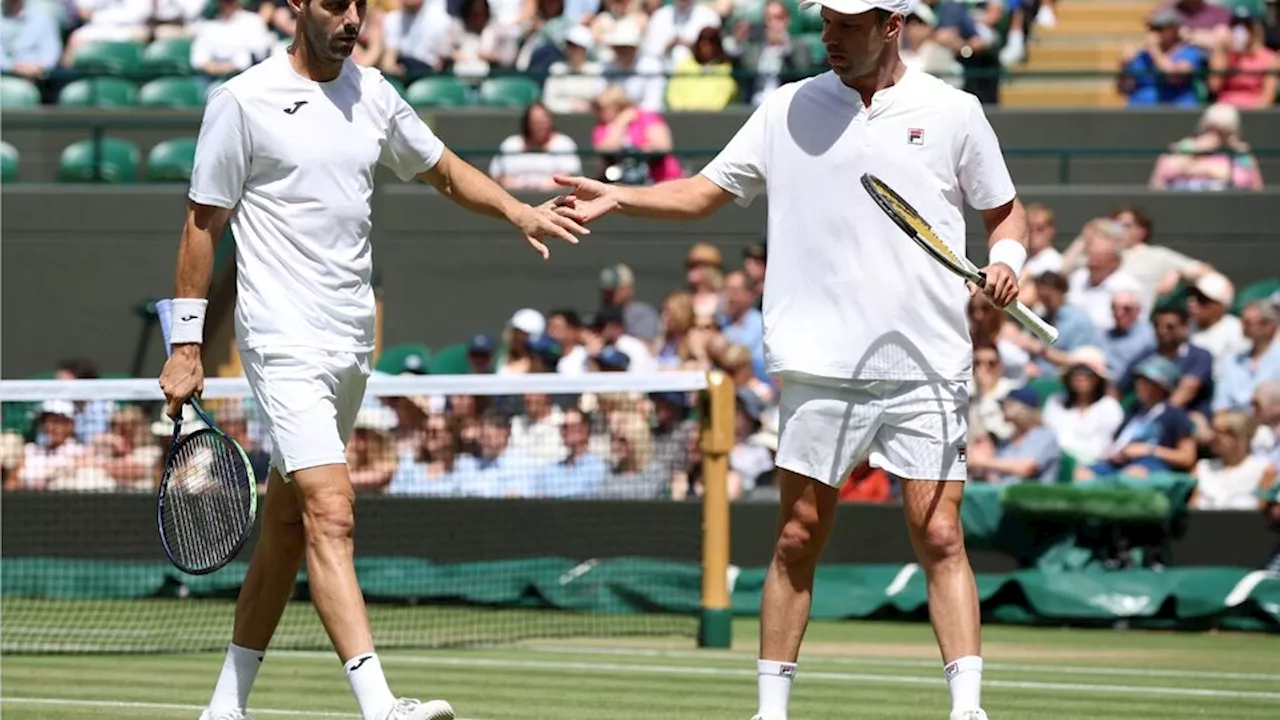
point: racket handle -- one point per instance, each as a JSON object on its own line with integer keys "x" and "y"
{"x": 1047, "y": 333}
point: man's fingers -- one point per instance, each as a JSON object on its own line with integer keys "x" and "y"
{"x": 569, "y": 180}
{"x": 570, "y": 223}
{"x": 539, "y": 246}
{"x": 555, "y": 229}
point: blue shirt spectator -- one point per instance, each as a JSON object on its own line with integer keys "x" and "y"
{"x": 1039, "y": 445}
{"x": 30, "y": 41}
{"x": 1030, "y": 455}
{"x": 742, "y": 323}
{"x": 580, "y": 474}
{"x": 1157, "y": 436}
{"x": 1167, "y": 71}
{"x": 1241, "y": 374}
{"x": 1130, "y": 338}
{"x": 1194, "y": 391}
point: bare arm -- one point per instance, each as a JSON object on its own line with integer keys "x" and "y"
{"x": 194, "y": 273}
{"x": 1180, "y": 458}
{"x": 1185, "y": 392}
{"x": 1007, "y": 221}
{"x": 691, "y": 198}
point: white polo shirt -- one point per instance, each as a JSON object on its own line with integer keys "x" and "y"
{"x": 847, "y": 294}
{"x": 295, "y": 158}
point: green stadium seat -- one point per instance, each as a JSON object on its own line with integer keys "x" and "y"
{"x": 1256, "y": 291}
{"x": 171, "y": 160}
{"x": 170, "y": 56}
{"x": 172, "y": 92}
{"x": 16, "y": 92}
{"x": 438, "y": 92}
{"x": 8, "y": 162}
{"x": 407, "y": 358}
{"x": 1046, "y": 387}
{"x": 396, "y": 83}
{"x": 108, "y": 58}
{"x": 104, "y": 92}
{"x": 510, "y": 92}
{"x": 812, "y": 44}
{"x": 118, "y": 162}
{"x": 451, "y": 360}
{"x": 1257, "y": 7}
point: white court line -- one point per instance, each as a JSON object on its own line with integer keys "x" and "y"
{"x": 165, "y": 706}
{"x": 833, "y": 676}
{"x": 898, "y": 662}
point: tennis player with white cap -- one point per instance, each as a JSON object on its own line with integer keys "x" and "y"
{"x": 868, "y": 334}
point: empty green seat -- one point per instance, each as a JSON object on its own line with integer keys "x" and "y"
{"x": 171, "y": 160}
{"x": 511, "y": 92}
{"x": 16, "y": 92}
{"x": 172, "y": 92}
{"x": 117, "y": 162}
{"x": 438, "y": 92}
{"x": 8, "y": 162}
{"x": 396, "y": 83}
{"x": 108, "y": 58}
{"x": 168, "y": 56}
{"x": 104, "y": 92}
{"x": 451, "y": 360}
{"x": 1256, "y": 291}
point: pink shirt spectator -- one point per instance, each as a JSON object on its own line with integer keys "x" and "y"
{"x": 1244, "y": 88}
{"x": 666, "y": 167}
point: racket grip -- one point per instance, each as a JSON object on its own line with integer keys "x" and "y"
{"x": 1047, "y": 333}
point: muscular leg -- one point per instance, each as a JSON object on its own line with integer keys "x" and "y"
{"x": 806, "y": 515}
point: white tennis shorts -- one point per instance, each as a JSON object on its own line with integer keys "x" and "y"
{"x": 915, "y": 430}
{"x": 309, "y": 399}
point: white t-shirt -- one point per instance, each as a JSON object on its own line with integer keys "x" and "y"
{"x": 240, "y": 40}
{"x": 1084, "y": 433}
{"x": 296, "y": 158}
{"x": 1047, "y": 260}
{"x": 1149, "y": 264}
{"x": 1224, "y": 339}
{"x": 1219, "y": 487}
{"x": 669, "y": 23}
{"x": 847, "y": 295}
{"x": 522, "y": 169}
{"x": 1095, "y": 300}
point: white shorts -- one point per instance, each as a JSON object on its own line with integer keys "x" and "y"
{"x": 309, "y": 399}
{"x": 915, "y": 430}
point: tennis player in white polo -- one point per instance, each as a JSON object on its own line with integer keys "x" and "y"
{"x": 287, "y": 154}
{"x": 868, "y": 334}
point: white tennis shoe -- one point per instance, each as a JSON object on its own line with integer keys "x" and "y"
{"x": 762, "y": 717}
{"x": 409, "y": 709}
{"x": 225, "y": 715}
{"x": 978, "y": 714}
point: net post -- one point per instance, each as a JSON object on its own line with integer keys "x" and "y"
{"x": 715, "y": 627}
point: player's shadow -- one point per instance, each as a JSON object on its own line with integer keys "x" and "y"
{"x": 344, "y": 93}
{"x": 906, "y": 356}
{"x": 815, "y": 120}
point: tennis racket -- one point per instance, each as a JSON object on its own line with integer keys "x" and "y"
{"x": 905, "y": 216}
{"x": 208, "y": 498}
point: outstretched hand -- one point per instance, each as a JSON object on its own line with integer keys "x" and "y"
{"x": 589, "y": 201}
{"x": 554, "y": 218}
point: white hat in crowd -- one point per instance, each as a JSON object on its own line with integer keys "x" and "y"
{"x": 1216, "y": 287}
{"x": 529, "y": 321}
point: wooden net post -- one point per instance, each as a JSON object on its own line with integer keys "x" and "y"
{"x": 716, "y": 623}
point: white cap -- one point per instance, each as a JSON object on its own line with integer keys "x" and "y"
{"x": 376, "y": 417}
{"x": 856, "y": 7}
{"x": 581, "y": 36}
{"x": 1217, "y": 288}
{"x": 624, "y": 34}
{"x": 65, "y": 408}
{"x": 529, "y": 321}
{"x": 1091, "y": 357}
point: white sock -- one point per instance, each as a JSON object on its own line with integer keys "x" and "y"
{"x": 239, "y": 670}
{"x": 964, "y": 678}
{"x": 775, "y": 688}
{"x": 373, "y": 695}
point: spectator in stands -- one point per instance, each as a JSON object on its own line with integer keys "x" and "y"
{"x": 1030, "y": 455}
{"x": 55, "y": 455}
{"x": 581, "y": 472}
{"x": 473, "y": 44}
{"x": 107, "y": 21}
{"x": 1232, "y": 478}
{"x": 233, "y": 417}
{"x": 1213, "y": 159}
{"x": 1203, "y": 23}
{"x": 618, "y": 290}
{"x": 1074, "y": 328}
{"x": 543, "y": 37}
{"x": 610, "y": 325}
{"x": 1155, "y": 267}
{"x": 703, "y": 80}
{"x": 498, "y": 470}
{"x": 1241, "y": 374}
{"x": 672, "y": 348}
{"x": 920, "y": 51}
{"x": 704, "y": 274}
{"x": 125, "y": 457}
{"x": 92, "y": 416}
{"x": 1092, "y": 287}
{"x": 988, "y": 326}
{"x": 1131, "y": 336}
{"x": 1244, "y": 68}
{"x": 30, "y": 40}
{"x": 428, "y": 468}
{"x": 635, "y": 474}
{"x": 575, "y": 82}
{"x": 613, "y": 13}
{"x": 741, "y": 322}
{"x": 468, "y": 410}
{"x": 1266, "y": 408}
{"x": 1042, "y": 257}
{"x": 671, "y": 430}
{"x": 771, "y": 53}
{"x": 1194, "y": 389}
{"x": 480, "y": 351}
{"x": 231, "y": 42}
{"x": 1157, "y": 435}
{"x": 370, "y": 43}
{"x": 370, "y": 453}
{"x": 634, "y": 144}
{"x": 412, "y": 36}
{"x": 972, "y": 44}
{"x": 1085, "y": 417}
{"x": 736, "y": 362}
{"x": 532, "y": 159}
{"x": 565, "y": 327}
{"x": 674, "y": 29}
{"x": 642, "y": 79}
{"x": 1212, "y": 326}
{"x": 523, "y": 326}
{"x": 755, "y": 259}
{"x": 536, "y": 431}
{"x": 988, "y": 390}
{"x": 747, "y": 461}
{"x": 1165, "y": 70}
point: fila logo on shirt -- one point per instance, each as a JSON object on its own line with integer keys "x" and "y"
{"x": 915, "y": 136}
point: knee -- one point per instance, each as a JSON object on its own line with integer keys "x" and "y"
{"x": 329, "y": 516}
{"x": 798, "y": 542}
{"x": 940, "y": 540}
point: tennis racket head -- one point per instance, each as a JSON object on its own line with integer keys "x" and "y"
{"x": 911, "y": 222}
{"x": 207, "y": 501}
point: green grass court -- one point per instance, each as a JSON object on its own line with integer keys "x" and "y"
{"x": 850, "y": 670}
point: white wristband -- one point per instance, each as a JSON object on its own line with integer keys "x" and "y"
{"x": 1010, "y": 252}
{"x": 188, "y": 321}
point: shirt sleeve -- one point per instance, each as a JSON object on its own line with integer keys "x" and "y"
{"x": 222, "y": 153}
{"x": 984, "y": 177}
{"x": 739, "y": 169}
{"x": 411, "y": 148}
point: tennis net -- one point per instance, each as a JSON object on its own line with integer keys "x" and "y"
{"x": 490, "y": 509}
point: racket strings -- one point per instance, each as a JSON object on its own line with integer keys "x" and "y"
{"x": 208, "y": 508}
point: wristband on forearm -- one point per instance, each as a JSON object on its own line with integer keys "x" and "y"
{"x": 188, "y": 321}
{"x": 1010, "y": 252}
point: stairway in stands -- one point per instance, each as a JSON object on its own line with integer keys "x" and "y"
{"x": 1091, "y": 36}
